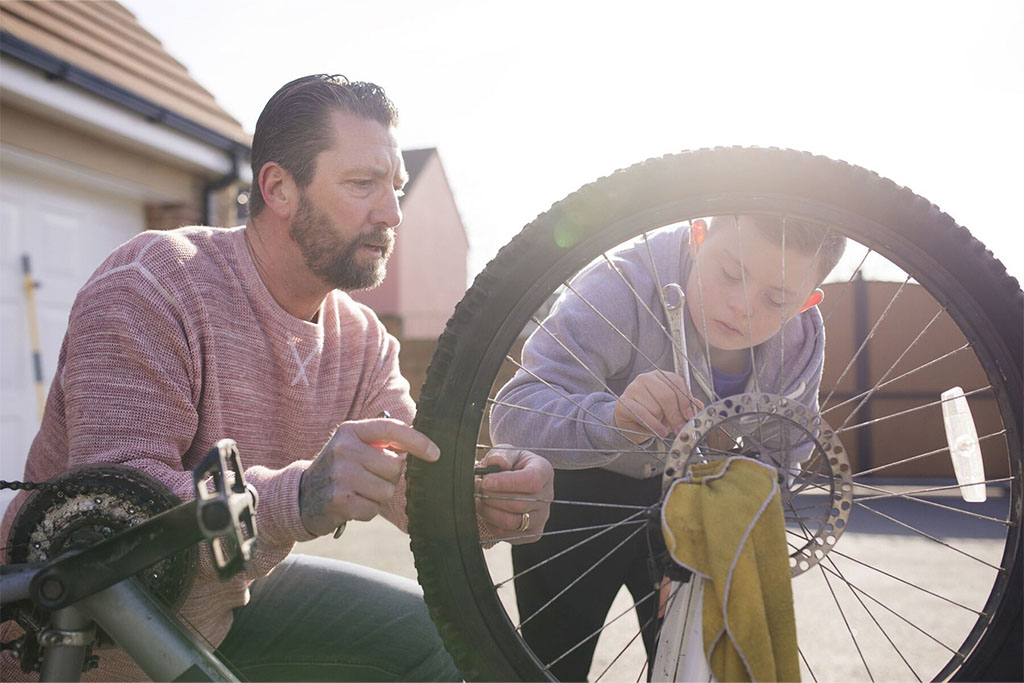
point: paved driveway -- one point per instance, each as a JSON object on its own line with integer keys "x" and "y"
{"x": 960, "y": 575}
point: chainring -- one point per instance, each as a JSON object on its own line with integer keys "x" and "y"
{"x": 85, "y": 505}
{"x": 815, "y": 482}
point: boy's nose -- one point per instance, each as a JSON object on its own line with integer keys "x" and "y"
{"x": 739, "y": 303}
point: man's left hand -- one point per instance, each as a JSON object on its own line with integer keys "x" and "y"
{"x": 515, "y": 503}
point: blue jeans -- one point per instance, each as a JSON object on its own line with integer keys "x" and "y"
{"x": 316, "y": 619}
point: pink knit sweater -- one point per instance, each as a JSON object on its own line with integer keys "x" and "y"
{"x": 175, "y": 343}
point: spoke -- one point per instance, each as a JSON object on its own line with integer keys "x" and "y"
{"x": 908, "y": 411}
{"x": 912, "y": 495}
{"x": 842, "y": 295}
{"x": 860, "y": 350}
{"x": 704, "y": 448}
{"x": 804, "y": 280}
{"x": 826, "y": 490}
{"x": 569, "y": 398}
{"x": 842, "y": 614}
{"x": 807, "y": 664}
{"x": 750, "y": 335}
{"x": 818, "y": 506}
{"x": 625, "y": 647}
{"x": 903, "y": 581}
{"x": 607, "y": 527}
{"x": 563, "y": 417}
{"x": 518, "y": 537}
{"x": 703, "y": 317}
{"x": 633, "y": 346}
{"x": 926, "y": 535}
{"x": 704, "y": 382}
{"x": 597, "y": 378}
{"x": 872, "y": 616}
{"x": 896, "y": 379}
{"x": 945, "y": 449}
{"x": 579, "y": 578}
{"x": 881, "y": 379}
{"x": 784, "y": 432}
{"x": 893, "y": 612}
{"x": 602, "y": 628}
{"x": 782, "y": 310}
{"x": 558, "y": 501}
{"x": 746, "y": 306}
{"x": 838, "y": 606}
{"x": 545, "y": 449}
{"x": 831, "y": 562}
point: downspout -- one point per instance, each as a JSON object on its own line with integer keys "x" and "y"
{"x": 211, "y": 189}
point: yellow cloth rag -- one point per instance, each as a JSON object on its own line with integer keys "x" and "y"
{"x": 724, "y": 523}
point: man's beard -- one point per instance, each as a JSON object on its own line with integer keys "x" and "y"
{"x": 330, "y": 257}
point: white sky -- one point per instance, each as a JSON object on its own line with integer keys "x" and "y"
{"x": 527, "y": 101}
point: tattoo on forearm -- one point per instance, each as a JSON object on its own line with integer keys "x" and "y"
{"x": 315, "y": 488}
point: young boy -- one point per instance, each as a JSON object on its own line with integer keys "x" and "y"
{"x": 750, "y": 324}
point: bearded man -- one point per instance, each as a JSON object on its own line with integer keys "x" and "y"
{"x": 185, "y": 337}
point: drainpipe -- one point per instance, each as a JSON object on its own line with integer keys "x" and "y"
{"x": 211, "y": 189}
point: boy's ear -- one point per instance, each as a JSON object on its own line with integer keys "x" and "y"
{"x": 698, "y": 231}
{"x": 816, "y": 297}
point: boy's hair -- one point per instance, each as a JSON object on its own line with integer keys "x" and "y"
{"x": 295, "y": 125}
{"x": 804, "y": 236}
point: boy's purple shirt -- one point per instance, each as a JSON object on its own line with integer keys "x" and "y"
{"x": 587, "y": 403}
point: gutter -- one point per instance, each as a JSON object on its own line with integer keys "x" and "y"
{"x": 56, "y": 70}
{"x": 59, "y": 69}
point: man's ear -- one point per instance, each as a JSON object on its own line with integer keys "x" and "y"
{"x": 277, "y": 185}
{"x": 816, "y": 297}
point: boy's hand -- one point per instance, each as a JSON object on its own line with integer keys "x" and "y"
{"x": 655, "y": 401}
{"x": 526, "y": 477}
{"x": 357, "y": 472}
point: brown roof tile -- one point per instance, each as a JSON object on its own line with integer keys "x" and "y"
{"x": 105, "y": 39}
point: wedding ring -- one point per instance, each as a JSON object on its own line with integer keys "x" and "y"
{"x": 525, "y": 524}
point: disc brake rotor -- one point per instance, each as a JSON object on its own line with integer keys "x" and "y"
{"x": 814, "y": 472}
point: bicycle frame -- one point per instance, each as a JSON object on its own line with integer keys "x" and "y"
{"x": 141, "y": 625}
{"x": 97, "y": 586}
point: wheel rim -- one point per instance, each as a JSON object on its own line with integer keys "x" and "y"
{"x": 870, "y": 639}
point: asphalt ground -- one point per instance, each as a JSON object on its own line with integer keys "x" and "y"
{"x": 944, "y": 553}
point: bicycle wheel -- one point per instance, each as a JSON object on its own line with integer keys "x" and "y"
{"x": 920, "y": 584}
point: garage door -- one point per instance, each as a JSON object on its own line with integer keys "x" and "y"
{"x": 66, "y": 228}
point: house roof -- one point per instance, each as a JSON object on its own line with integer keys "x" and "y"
{"x": 415, "y": 160}
{"x": 105, "y": 40}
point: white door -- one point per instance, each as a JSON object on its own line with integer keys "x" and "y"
{"x": 66, "y": 228}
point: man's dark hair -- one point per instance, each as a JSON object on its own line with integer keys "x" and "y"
{"x": 295, "y": 125}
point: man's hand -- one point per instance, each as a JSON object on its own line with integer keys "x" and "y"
{"x": 655, "y": 401}
{"x": 357, "y": 472}
{"x": 526, "y": 477}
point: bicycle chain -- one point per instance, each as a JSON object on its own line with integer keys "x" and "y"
{"x": 59, "y": 489}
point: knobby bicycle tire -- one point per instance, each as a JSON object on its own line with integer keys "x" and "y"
{"x": 950, "y": 264}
